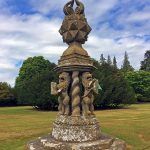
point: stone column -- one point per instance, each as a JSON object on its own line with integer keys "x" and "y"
{"x": 75, "y": 94}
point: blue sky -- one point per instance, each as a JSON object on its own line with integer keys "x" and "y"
{"x": 30, "y": 27}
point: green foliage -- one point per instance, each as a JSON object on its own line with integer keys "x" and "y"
{"x": 102, "y": 59}
{"x": 7, "y": 97}
{"x": 140, "y": 81}
{"x": 33, "y": 83}
{"x": 115, "y": 89}
{"x": 109, "y": 60}
{"x": 115, "y": 63}
{"x": 126, "y": 64}
{"x": 145, "y": 64}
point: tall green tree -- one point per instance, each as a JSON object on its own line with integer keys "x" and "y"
{"x": 115, "y": 63}
{"x": 116, "y": 91}
{"x": 33, "y": 83}
{"x": 145, "y": 64}
{"x": 102, "y": 59}
{"x": 140, "y": 81}
{"x": 126, "y": 64}
{"x": 7, "y": 97}
{"x": 109, "y": 60}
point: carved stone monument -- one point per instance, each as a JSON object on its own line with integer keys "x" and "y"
{"x": 76, "y": 127}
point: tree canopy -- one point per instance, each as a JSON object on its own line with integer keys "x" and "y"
{"x": 109, "y": 60}
{"x": 115, "y": 63}
{"x": 116, "y": 90}
{"x": 33, "y": 83}
{"x": 145, "y": 64}
{"x": 140, "y": 81}
{"x": 119, "y": 86}
{"x": 126, "y": 64}
{"x": 7, "y": 97}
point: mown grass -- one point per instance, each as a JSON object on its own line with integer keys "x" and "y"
{"x": 18, "y": 125}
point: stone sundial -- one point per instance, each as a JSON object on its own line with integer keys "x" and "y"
{"x": 75, "y": 127}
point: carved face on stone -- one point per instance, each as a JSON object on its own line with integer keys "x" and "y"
{"x": 64, "y": 80}
{"x": 90, "y": 83}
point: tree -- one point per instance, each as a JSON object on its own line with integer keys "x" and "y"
{"x": 126, "y": 64}
{"x": 116, "y": 91}
{"x": 140, "y": 81}
{"x": 102, "y": 59}
{"x": 7, "y": 97}
{"x": 33, "y": 83}
{"x": 109, "y": 60}
{"x": 115, "y": 63}
{"x": 145, "y": 64}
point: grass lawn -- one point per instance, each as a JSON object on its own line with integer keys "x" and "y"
{"x": 18, "y": 125}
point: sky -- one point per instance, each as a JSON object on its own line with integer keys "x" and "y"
{"x": 30, "y": 28}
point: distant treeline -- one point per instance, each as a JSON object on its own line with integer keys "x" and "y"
{"x": 120, "y": 87}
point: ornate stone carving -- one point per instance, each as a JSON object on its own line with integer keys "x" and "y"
{"x": 91, "y": 86}
{"x": 68, "y": 8}
{"x": 61, "y": 89}
{"x": 74, "y": 27}
{"x": 75, "y": 94}
{"x": 80, "y": 8}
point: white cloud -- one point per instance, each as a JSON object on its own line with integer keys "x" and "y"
{"x": 139, "y": 16}
{"x": 45, "y": 6}
{"x": 23, "y": 36}
{"x": 94, "y": 9}
{"x": 134, "y": 46}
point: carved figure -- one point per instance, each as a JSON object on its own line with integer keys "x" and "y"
{"x": 61, "y": 89}
{"x": 75, "y": 27}
{"x": 80, "y": 7}
{"x": 91, "y": 86}
{"x": 68, "y": 8}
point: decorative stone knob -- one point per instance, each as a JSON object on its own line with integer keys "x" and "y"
{"x": 75, "y": 27}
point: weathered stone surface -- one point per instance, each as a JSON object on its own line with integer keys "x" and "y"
{"x": 104, "y": 143}
{"x": 76, "y": 133}
{"x": 75, "y": 27}
{"x": 75, "y": 58}
{"x": 76, "y": 129}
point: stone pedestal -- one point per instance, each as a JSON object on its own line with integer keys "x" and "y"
{"x": 76, "y": 127}
{"x": 76, "y": 133}
{"x": 104, "y": 143}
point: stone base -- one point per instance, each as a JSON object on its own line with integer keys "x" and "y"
{"x": 76, "y": 133}
{"x": 104, "y": 143}
{"x": 76, "y": 129}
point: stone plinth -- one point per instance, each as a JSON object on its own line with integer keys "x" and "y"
{"x": 76, "y": 129}
{"x": 104, "y": 143}
{"x": 76, "y": 133}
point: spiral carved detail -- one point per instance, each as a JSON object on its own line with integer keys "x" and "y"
{"x": 66, "y": 104}
{"x": 75, "y": 94}
{"x": 61, "y": 111}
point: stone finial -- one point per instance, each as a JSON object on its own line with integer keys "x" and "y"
{"x": 75, "y": 27}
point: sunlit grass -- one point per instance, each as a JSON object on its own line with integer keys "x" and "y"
{"x": 18, "y": 125}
